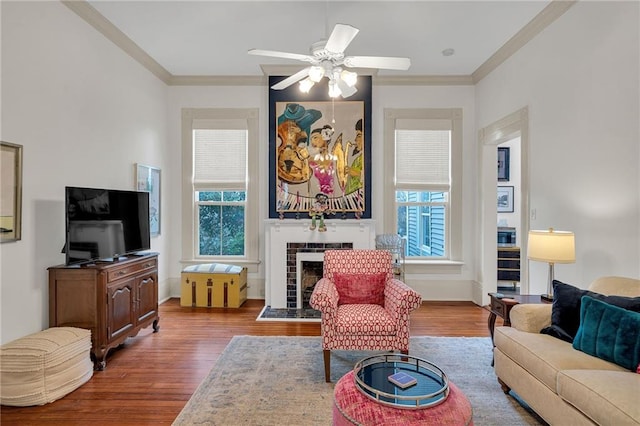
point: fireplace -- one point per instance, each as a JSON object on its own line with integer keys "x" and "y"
{"x": 308, "y": 273}
{"x": 305, "y": 272}
{"x": 287, "y": 240}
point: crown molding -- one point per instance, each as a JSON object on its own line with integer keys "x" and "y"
{"x": 87, "y": 12}
{"x": 548, "y": 15}
{"x": 217, "y": 80}
{"x": 423, "y": 80}
{"x": 250, "y": 80}
{"x": 542, "y": 20}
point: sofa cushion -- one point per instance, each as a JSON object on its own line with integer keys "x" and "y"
{"x": 544, "y": 356}
{"x": 609, "y": 332}
{"x": 606, "y": 397}
{"x": 565, "y": 312}
{"x": 360, "y": 288}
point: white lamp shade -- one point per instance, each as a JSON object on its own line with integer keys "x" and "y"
{"x": 351, "y": 78}
{"x": 334, "y": 90}
{"x": 345, "y": 89}
{"x": 552, "y": 246}
{"x": 316, "y": 73}
{"x": 306, "y": 85}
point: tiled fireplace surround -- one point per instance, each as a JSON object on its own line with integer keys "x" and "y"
{"x": 289, "y": 243}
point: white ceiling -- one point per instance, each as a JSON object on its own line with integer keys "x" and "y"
{"x": 211, "y": 38}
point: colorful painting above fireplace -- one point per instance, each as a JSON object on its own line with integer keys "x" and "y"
{"x": 318, "y": 145}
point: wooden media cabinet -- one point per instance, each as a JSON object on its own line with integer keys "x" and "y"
{"x": 115, "y": 300}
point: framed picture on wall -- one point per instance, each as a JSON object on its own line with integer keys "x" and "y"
{"x": 10, "y": 192}
{"x": 505, "y": 199}
{"x": 503, "y": 164}
{"x": 148, "y": 179}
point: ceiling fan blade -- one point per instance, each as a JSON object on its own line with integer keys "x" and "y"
{"x": 276, "y": 54}
{"x": 291, "y": 79}
{"x": 340, "y": 38}
{"x": 382, "y": 62}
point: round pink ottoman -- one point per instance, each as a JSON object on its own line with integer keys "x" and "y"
{"x": 352, "y": 407}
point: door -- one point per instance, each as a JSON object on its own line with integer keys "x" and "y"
{"x": 120, "y": 308}
{"x": 147, "y": 297}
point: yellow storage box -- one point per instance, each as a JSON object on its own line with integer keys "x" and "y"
{"x": 213, "y": 285}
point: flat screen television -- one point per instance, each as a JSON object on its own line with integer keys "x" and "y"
{"x": 105, "y": 224}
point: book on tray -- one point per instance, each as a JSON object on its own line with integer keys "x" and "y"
{"x": 402, "y": 379}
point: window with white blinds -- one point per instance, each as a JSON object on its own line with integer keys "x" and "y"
{"x": 423, "y": 154}
{"x": 220, "y": 185}
{"x": 423, "y": 193}
{"x": 220, "y": 157}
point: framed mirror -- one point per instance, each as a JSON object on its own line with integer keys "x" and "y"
{"x": 10, "y": 192}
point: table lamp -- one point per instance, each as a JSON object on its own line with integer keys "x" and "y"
{"x": 553, "y": 247}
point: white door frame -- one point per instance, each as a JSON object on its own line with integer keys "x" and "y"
{"x": 513, "y": 125}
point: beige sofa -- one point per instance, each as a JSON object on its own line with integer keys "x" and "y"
{"x": 563, "y": 385}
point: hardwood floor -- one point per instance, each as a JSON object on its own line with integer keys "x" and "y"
{"x": 150, "y": 379}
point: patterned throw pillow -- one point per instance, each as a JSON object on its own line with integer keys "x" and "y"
{"x": 360, "y": 288}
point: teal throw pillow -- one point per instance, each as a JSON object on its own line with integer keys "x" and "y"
{"x": 565, "y": 313}
{"x": 609, "y": 332}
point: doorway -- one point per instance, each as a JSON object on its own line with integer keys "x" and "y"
{"x": 500, "y": 133}
{"x": 509, "y": 214}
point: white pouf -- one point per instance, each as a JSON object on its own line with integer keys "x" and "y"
{"x": 44, "y": 366}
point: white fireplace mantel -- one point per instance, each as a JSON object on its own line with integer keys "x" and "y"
{"x": 361, "y": 233}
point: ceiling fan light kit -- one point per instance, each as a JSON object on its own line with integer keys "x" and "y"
{"x": 327, "y": 59}
{"x": 306, "y": 85}
{"x": 316, "y": 73}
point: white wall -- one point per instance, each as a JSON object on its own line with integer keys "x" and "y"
{"x": 180, "y": 97}
{"x": 85, "y": 112}
{"x": 435, "y": 282}
{"x": 579, "y": 80}
{"x": 438, "y": 286}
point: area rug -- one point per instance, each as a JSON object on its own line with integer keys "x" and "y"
{"x": 280, "y": 381}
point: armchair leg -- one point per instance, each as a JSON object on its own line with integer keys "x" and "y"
{"x": 327, "y": 365}
{"x": 405, "y": 353}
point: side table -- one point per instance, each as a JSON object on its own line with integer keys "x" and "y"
{"x": 500, "y": 307}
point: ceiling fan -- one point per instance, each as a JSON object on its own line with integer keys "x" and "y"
{"x": 327, "y": 59}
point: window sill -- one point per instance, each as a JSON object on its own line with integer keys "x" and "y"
{"x": 433, "y": 266}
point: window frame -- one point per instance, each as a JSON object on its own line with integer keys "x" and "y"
{"x": 190, "y": 246}
{"x": 453, "y": 230}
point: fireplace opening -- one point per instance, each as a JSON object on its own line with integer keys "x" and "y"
{"x": 310, "y": 275}
{"x": 298, "y": 253}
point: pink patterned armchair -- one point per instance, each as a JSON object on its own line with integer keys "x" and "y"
{"x": 363, "y": 306}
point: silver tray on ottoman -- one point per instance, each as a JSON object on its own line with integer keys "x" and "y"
{"x": 371, "y": 376}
